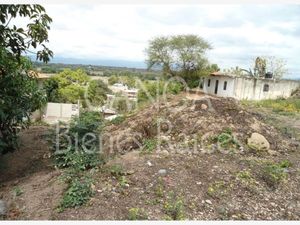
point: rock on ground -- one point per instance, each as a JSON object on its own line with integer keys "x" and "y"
{"x": 258, "y": 142}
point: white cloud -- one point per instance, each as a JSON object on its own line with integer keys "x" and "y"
{"x": 122, "y": 32}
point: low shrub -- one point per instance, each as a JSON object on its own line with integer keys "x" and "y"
{"x": 78, "y": 193}
{"x": 79, "y": 144}
{"x": 226, "y": 140}
{"x": 137, "y": 214}
{"x": 274, "y": 173}
{"x": 157, "y": 88}
{"x": 174, "y": 207}
{"x": 118, "y": 120}
{"x": 117, "y": 170}
{"x": 149, "y": 145}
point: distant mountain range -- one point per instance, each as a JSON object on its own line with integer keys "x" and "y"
{"x": 101, "y": 62}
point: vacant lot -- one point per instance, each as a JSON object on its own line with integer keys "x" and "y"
{"x": 179, "y": 173}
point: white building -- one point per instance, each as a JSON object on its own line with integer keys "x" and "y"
{"x": 130, "y": 93}
{"x": 245, "y": 87}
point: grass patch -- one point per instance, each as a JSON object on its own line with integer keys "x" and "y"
{"x": 149, "y": 145}
{"x": 217, "y": 189}
{"x": 137, "y": 214}
{"x": 288, "y": 106}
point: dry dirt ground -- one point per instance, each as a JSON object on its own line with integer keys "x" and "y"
{"x": 212, "y": 185}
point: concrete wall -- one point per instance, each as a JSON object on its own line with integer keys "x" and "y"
{"x": 60, "y": 111}
{"x": 249, "y": 88}
{"x": 229, "y": 92}
{"x": 253, "y": 89}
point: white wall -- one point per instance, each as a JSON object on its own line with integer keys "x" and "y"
{"x": 229, "y": 92}
{"x": 252, "y": 89}
{"x": 249, "y": 88}
{"x": 60, "y": 111}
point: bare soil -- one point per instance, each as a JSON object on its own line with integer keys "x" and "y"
{"x": 189, "y": 174}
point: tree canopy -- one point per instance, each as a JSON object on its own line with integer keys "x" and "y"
{"x": 19, "y": 40}
{"x": 179, "y": 55}
{"x": 19, "y": 93}
{"x": 67, "y": 86}
{"x": 97, "y": 92}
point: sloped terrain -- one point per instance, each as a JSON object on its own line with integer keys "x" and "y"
{"x": 170, "y": 166}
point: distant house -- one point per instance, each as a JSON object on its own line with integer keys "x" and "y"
{"x": 130, "y": 93}
{"x": 246, "y": 87}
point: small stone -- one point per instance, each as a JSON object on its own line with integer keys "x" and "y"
{"x": 162, "y": 172}
{"x": 130, "y": 172}
{"x": 149, "y": 163}
{"x": 208, "y": 202}
{"x": 203, "y": 106}
{"x": 2, "y": 208}
{"x": 198, "y": 183}
{"x": 99, "y": 191}
{"x": 164, "y": 152}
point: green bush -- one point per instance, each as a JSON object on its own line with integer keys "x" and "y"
{"x": 118, "y": 120}
{"x": 174, "y": 207}
{"x": 274, "y": 173}
{"x": 226, "y": 139}
{"x": 75, "y": 155}
{"x": 157, "y": 88}
{"x": 78, "y": 193}
{"x": 19, "y": 97}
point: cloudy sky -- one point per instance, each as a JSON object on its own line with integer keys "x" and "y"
{"x": 238, "y": 33}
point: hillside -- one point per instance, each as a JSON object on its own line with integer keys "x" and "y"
{"x": 197, "y": 165}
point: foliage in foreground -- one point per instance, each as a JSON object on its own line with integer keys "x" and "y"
{"x": 79, "y": 144}
{"x": 78, "y": 193}
{"x": 80, "y": 154}
{"x": 19, "y": 97}
{"x": 274, "y": 173}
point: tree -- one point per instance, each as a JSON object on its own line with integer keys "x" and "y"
{"x": 67, "y": 87}
{"x": 276, "y": 66}
{"x": 97, "y": 92}
{"x": 113, "y": 79}
{"x": 180, "y": 55}
{"x": 18, "y": 40}
{"x": 123, "y": 104}
{"x": 19, "y": 94}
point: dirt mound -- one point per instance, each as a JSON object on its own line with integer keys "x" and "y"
{"x": 179, "y": 121}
